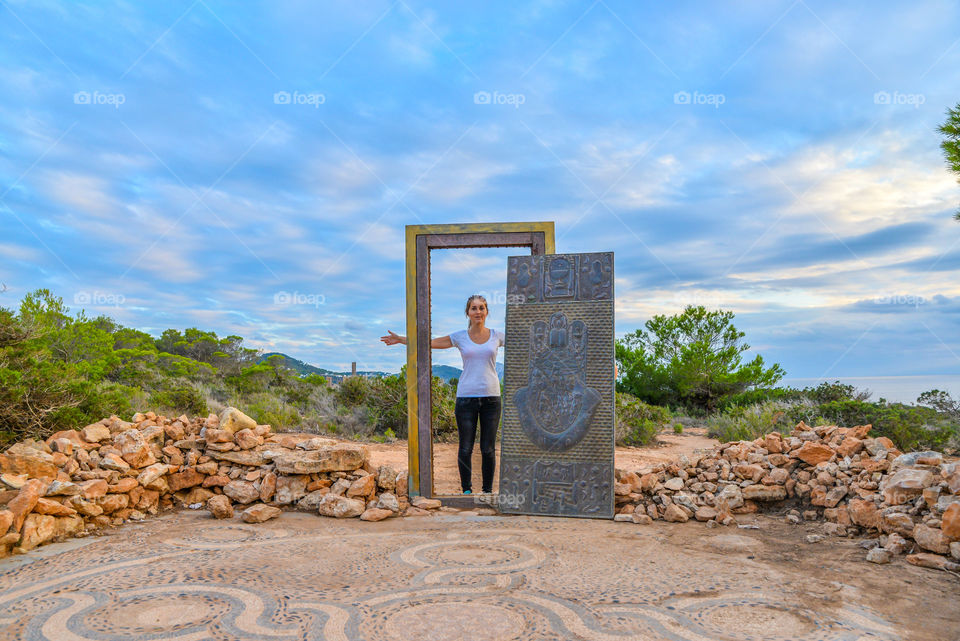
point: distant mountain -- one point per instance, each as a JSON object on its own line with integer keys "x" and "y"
{"x": 306, "y": 368}
{"x": 446, "y": 372}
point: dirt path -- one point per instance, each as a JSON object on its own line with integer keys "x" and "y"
{"x": 447, "y": 478}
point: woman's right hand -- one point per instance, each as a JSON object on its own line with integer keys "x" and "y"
{"x": 393, "y": 339}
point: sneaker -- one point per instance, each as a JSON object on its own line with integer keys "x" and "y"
{"x": 467, "y": 492}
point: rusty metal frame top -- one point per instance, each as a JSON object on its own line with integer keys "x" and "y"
{"x": 420, "y": 239}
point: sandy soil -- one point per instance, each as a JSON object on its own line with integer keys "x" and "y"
{"x": 447, "y": 477}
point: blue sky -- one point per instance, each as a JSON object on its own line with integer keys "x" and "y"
{"x": 249, "y": 167}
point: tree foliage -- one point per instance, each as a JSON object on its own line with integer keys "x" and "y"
{"x": 692, "y": 360}
{"x": 950, "y": 130}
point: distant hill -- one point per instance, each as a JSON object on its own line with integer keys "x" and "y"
{"x": 306, "y": 368}
{"x": 446, "y": 372}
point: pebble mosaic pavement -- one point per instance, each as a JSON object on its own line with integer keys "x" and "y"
{"x": 186, "y": 577}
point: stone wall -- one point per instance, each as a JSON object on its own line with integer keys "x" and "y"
{"x": 859, "y": 485}
{"x": 107, "y": 473}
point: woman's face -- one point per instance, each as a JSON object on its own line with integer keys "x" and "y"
{"x": 477, "y": 311}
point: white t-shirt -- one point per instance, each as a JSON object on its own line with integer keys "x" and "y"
{"x": 479, "y": 377}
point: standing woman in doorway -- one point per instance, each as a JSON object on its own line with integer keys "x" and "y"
{"x": 478, "y": 390}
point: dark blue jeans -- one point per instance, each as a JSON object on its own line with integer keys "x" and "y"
{"x": 471, "y": 410}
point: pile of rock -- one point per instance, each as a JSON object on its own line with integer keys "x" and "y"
{"x": 114, "y": 471}
{"x": 859, "y": 485}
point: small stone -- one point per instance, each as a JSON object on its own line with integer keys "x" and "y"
{"x": 363, "y": 487}
{"x": 623, "y": 518}
{"x": 951, "y": 522}
{"x": 954, "y": 549}
{"x": 674, "y": 484}
{"x": 814, "y": 538}
{"x": 219, "y": 506}
{"x": 388, "y": 501}
{"x": 675, "y": 514}
{"x": 247, "y": 440}
{"x": 424, "y": 503}
{"x": 241, "y": 491}
{"x": 340, "y": 506}
{"x": 113, "y": 462}
{"x": 95, "y": 433}
{"x": 386, "y": 478}
{"x": 896, "y": 544}
{"x": 260, "y": 513}
{"x": 375, "y": 514}
{"x": 152, "y": 473}
{"x": 813, "y": 453}
{"x": 879, "y": 555}
{"x": 62, "y": 488}
{"x": 705, "y": 513}
{"x": 764, "y": 493}
{"x": 931, "y": 539}
{"x": 641, "y": 519}
{"x": 933, "y": 561}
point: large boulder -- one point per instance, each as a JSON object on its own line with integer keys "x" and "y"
{"x": 219, "y": 507}
{"x": 906, "y": 484}
{"x": 233, "y": 420}
{"x": 241, "y": 491}
{"x": 343, "y": 457}
{"x": 260, "y": 513}
{"x": 340, "y": 507}
{"x": 134, "y": 448}
{"x": 29, "y": 458}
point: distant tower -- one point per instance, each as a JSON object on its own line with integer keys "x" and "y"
{"x": 353, "y": 368}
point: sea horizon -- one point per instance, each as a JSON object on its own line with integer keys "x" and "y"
{"x": 902, "y": 389}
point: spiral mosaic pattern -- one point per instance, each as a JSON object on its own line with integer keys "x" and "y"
{"x": 447, "y": 578}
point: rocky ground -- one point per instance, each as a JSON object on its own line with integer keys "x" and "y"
{"x": 451, "y": 576}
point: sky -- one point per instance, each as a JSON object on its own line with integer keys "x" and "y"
{"x": 249, "y": 168}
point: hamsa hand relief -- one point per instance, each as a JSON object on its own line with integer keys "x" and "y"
{"x": 557, "y": 438}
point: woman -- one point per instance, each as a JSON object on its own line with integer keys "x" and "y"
{"x": 478, "y": 390}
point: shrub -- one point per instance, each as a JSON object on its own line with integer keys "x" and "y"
{"x": 637, "y": 422}
{"x": 747, "y": 422}
{"x": 184, "y": 399}
{"x": 267, "y": 409}
{"x": 678, "y": 428}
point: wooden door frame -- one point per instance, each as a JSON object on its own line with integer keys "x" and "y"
{"x": 420, "y": 240}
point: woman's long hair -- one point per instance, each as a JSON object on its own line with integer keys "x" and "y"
{"x": 466, "y": 310}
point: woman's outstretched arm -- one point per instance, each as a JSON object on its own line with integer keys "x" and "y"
{"x": 442, "y": 342}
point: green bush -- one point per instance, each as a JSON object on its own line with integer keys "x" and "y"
{"x": 185, "y": 399}
{"x": 267, "y": 409}
{"x": 747, "y": 422}
{"x": 637, "y": 422}
{"x": 678, "y": 428}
